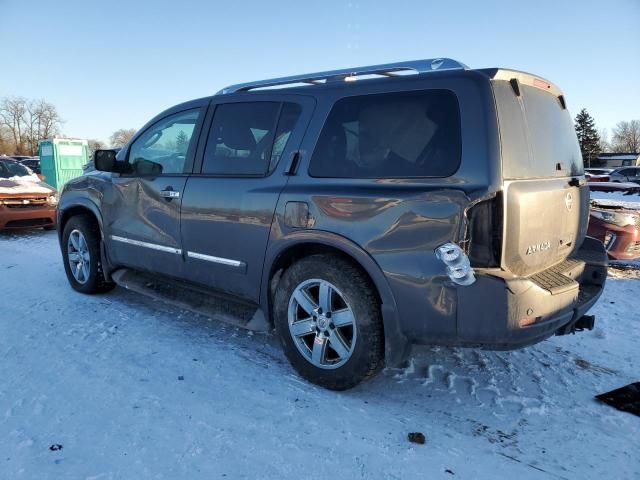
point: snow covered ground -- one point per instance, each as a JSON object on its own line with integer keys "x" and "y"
{"x": 120, "y": 387}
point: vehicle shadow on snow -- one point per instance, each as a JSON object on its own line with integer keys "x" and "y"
{"x": 523, "y": 381}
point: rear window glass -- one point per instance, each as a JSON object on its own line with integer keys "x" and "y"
{"x": 391, "y": 135}
{"x": 538, "y": 137}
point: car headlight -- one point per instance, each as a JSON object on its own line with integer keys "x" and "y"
{"x": 52, "y": 199}
{"x": 616, "y": 218}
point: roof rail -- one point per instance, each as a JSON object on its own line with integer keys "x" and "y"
{"x": 385, "y": 69}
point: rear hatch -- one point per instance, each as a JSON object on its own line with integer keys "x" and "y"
{"x": 546, "y": 198}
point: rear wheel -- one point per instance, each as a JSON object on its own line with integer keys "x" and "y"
{"x": 329, "y": 323}
{"x": 81, "y": 256}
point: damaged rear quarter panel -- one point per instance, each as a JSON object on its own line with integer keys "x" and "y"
{"x": 400, "y": 229}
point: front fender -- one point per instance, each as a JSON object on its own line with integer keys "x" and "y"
{"x": 73, "y": 200}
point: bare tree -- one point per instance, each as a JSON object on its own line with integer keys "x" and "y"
{"x": 27, "y": 122}
{"x": 95, "y": 145}
{"x": 121, "y": 137}
{"x": 604, "y": 145}
{"x": 43, "y": 121}
{"x": 12, "y": 116}
{"x": 626, "y": 136}
{"x": 6, "y": 142}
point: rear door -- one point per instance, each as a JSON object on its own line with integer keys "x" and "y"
{"x": 545, "y": 194}
{"x": 142, "y": 210}
{"x": 229, "y": 201}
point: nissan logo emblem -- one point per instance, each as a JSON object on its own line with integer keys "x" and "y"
{"x": 568, "y": 201}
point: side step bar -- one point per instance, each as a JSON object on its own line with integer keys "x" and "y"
{"x": 188, "y": 297}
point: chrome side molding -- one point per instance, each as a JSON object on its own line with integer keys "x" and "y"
{"x": 152, "y": 246}
{"x": 221, "y": 260}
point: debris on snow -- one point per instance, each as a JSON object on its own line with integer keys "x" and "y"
{"x": 416, "y": 437}
{"x": 626, "y": 399}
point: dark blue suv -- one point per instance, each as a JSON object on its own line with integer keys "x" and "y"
{"x": 357, "y": 211}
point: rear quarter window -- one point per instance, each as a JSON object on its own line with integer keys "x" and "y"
{"x": 390, "y": 135}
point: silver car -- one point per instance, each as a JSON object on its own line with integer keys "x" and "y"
{"x": 625, "y": 174}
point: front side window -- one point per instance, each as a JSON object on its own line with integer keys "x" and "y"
{"x": 393, "y": 135}
{"x": 163, "y": 148}
{"x": 248, "y": 138}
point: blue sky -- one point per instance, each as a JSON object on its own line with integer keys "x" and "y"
{"x": 114, "y": 64}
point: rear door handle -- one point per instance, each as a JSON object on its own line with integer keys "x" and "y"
{"x": 169, "y": 193}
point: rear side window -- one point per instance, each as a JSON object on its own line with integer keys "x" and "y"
{"x": 391, "y": 135}
{"x": 629, "y": 172}
{"x": 248, "y": 138}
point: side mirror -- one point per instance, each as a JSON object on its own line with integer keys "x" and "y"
{"x": 105, "y": 161}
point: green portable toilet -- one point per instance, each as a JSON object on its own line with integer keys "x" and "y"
{"x": 61, "y": 159}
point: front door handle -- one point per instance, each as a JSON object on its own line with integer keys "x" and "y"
{"x": 169, "y": 193}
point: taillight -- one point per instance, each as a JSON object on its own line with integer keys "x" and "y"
{"x": 457, "y": 263}
{"x": 484, "y": 233}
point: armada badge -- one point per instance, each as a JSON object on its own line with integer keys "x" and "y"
{"x": 538, "y": 247}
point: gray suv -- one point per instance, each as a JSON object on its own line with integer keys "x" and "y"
{"x": 357, "y": 211}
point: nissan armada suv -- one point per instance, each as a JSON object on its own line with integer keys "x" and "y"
{"x": 357, "y": 211}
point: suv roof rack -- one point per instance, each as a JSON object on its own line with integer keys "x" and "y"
{"x": 385, "y": 69}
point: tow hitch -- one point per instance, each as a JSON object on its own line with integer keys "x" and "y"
{"x": 585, "y": 322}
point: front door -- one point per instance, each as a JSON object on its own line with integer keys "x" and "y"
{"x": 143, "y": 213}
{"x": 230, "y": 199}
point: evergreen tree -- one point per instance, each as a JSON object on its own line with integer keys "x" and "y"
{"x": 588, "y": 137}
{"x": 182, "y": 142}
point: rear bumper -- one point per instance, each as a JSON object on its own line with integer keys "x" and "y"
{"x": 511, "y": 312}
{"x": 19, "y": 218}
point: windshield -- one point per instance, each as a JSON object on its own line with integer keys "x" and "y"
{"x": 12, "y": 169}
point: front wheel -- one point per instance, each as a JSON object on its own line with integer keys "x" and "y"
{"x": 327, "y": 316}
{"x": 81, "y": 256}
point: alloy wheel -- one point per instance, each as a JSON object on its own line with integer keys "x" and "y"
{"x": 322, "y": 324}
{"x": 79, "y": 256}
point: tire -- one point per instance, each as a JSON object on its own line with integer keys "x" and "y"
{"x": 353, "y": 297}
{"x": 91, "y": 279}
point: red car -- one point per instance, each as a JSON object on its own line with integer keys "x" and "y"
{"x": 615, "y": 218}
{"x": 591, "y": 177}
{"x": 597, "y": 174}
{"x": 25, "y": 201}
